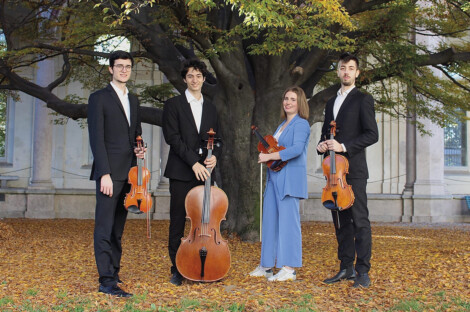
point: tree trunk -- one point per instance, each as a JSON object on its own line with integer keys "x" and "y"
{"x": 240, "y": 107}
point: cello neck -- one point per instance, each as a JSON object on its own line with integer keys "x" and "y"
{"x": 207, "y": 185}
{"x": 207, "y": 195}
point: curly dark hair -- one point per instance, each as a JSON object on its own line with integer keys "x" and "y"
{"x": 196, "y": 64}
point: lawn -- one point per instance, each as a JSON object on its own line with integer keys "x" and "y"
{"x": 48, "y": 265}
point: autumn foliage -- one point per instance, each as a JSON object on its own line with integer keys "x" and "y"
{"x": 49, "y": 265}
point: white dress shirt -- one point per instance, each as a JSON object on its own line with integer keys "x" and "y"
{"x": 340, "y": 97}
{"x": 124, "y": 98}
{"x": 196, "y": 108}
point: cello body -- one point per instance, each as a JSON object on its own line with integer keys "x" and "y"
{"x": 204, "y": 238}
{"x": 337, "y": 194}
{"x": 204, "y": 255}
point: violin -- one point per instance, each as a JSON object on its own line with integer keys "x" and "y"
{"x": 268, "y": 145}
{"x": 337, "y": 194}
{"x": 138, "y": 200}
{"x": 204, "y": 255}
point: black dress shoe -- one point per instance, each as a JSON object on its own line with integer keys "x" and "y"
{"x": 343, "y": 274}
{"x": 362, "y": 280}
{"x": 176, "y": 279}
{"x": 114, "y": 291}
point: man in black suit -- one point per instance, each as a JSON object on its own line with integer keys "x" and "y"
{"x": 113, "y": 125}
{"x": 186, "y": 120}
{"x": 354, "y": 114}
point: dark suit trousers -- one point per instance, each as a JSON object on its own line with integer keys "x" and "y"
{"x": 178, "y": 191}
{"x": 354, "y": 235}
{"x": 110, "y": 218}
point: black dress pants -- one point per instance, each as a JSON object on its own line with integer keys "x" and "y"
{"x": 178, "y": 191}
{"x": 110, "y": 218}
{"x": 354, "y": 234}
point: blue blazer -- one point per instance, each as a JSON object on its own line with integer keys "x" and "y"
{"x": 292, "y": 179}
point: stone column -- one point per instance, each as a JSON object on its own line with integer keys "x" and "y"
{"x": 410, "y": 168}
{"x": 164, "y": 149}
{"x": 156, "y": 157}
{"x": 430, "y": 197}
{"x": 162, "y": 193}
{"x": 40, "y": 193}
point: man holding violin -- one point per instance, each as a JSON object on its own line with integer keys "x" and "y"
{"x": 354, "y": 114}
{"x": 186, "y": 120}
{"x": 113, "y": 125}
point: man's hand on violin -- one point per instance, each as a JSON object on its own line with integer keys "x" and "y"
{"x": 140, "y": 152}
{"x": 201, "y": 172}
{"x": 106, "y": 185}
{"x": 330, "y": 145}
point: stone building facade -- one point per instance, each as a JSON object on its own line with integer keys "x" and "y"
{"x": 45, "y": 170}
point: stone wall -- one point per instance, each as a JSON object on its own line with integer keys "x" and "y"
{"x": 80, "y": 204}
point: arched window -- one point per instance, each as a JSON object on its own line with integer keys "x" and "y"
{"x": 110, "y": 43}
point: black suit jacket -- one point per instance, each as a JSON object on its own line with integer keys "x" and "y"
{"x": 356, "y": 129}
{"x": 180, "y": 132}
{"x": 112, "y": 139}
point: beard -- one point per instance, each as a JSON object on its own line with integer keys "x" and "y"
{"x": 347, "y": 83}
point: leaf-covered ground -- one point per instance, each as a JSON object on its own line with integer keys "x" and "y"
{"x": 49, "y": 265}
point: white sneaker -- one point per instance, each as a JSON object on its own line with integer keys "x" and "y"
{"x": 260, "y": 271}
{"x": 283, "y": 275}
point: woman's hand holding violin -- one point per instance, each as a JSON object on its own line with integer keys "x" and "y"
{"x": 263, "y": 157}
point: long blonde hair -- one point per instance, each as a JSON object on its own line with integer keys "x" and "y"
{"x": 301, "y": 102}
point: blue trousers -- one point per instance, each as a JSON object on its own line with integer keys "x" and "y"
{"x": 281, "y": 234}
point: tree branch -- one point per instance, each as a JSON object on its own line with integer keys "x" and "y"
{"x": 444, "y": 57}
{"x": 318, "y": 101}
{"x": 359, "y": 6}
{"x": 160, "y": 48}
{"x": 66, "y": 68}
{"x": 452, "y": 78}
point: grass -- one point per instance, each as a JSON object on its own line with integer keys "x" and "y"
{"x": 189, "y": 304}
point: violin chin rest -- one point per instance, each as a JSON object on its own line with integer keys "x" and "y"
{"x": 329, "y": 204}
{"x": 134, "y": 209}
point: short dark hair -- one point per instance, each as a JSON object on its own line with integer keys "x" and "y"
{"x": 346, "y": 57}
{"x": 120, "y": 55}
{"x": 196, "y": 64}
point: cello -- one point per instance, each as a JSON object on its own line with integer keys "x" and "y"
{"x": 204, "y": 255}
{"x": 268, "y": 145}
{"x": 337, "y": 195}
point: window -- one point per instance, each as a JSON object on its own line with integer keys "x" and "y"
{"x": 455, "y": 144}
{"x": 109, "y": 43}
{"x": 3, "y": 108}
{"x": 3, "y": 123}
